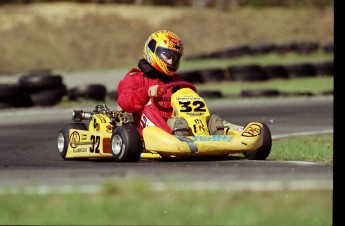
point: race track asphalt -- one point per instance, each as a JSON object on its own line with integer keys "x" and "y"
{"x": 29, "y": 156}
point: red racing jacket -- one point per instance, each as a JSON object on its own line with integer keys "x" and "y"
{"x": 133, "y": 98}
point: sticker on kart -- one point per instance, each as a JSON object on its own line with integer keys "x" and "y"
{"x": 214, "y": 138}
{"x": 199, "y": 127}
{"x": 191, "y": 107}
{"x": 252, "y": 130}
{"x": 74, "y": 139}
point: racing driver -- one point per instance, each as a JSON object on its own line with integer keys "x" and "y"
{"x": 161, "y": 58}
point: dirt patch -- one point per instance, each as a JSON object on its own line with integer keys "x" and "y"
{"x": 71, "y": 36}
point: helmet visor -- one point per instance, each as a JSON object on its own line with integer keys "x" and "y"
{"x": 169, "y": 56}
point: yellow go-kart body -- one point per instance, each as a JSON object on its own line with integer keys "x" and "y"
{"x": 110, "y": 134}
{"x": 189, "y": 105}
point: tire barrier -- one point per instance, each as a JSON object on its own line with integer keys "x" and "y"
{"x": 48, "y": 97}
{"x": 113, "y": 95}
{"x": 262, "y": 49}
{"x": 275, "y": 72}
{"x": 328, "y": 47}
{"x": 298, "y": 47}
{"x": 237, "y": 51}
{"x": 252, "y": 72}
{"x": 193, "y": 76}
{"x": 11, "y": 96}
{"x": 256, "y": 72}
{"x": 96, "y": 92}
{"x": 40, "y": 88}
{"x": 324, "y": 68}
{"x": 35, "y": 82}
{"x": 210, "y": 93}
{"x": 260, "y": 93}
{"x": 266, "y": 48}
{"x": 212, "y": 75}
{"x": 44, "y": 88}
{"x": 300, "y": 70}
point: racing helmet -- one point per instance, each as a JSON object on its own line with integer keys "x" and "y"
{"x": 163, "y": 50}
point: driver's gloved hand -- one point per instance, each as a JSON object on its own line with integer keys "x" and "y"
{"x": 156, "y": 91}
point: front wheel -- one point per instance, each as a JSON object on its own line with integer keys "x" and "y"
{"x": 126, "y": 144}
{"x": 63, "y": 139}
{"x": 263, "y": 152}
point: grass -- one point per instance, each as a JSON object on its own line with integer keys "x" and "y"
{"x": 306, "y": 148}
{"x": 170, "y": 207}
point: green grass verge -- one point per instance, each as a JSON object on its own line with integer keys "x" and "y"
{"x": 141, "y": 206}
{"x": 318, "y": 148}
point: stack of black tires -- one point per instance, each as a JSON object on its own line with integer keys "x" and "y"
{"x": 33, "y": 89}
{"x": 43, "y": 88}
{"x": 256, "y": 72}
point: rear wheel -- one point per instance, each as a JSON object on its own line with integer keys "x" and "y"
{"x": 126, "y": 144}
{"x": 63, "y": 139}
{"x": 263, "y": 152}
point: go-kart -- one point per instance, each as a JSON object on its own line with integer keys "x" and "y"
{"x": 195, "y": 133}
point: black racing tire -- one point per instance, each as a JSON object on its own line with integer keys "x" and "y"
{"x": 63, "y": 138}
{"x": 261, "y": 49}
{"x": 260, "y": 93}
{"x": 275, "y": 72}
{"x": 6, "y": 105}
{"x": 11, "y": 96}
{"x": 34, "y": 82}
{"x": 264, "y": 151}
{"x": 232, "y": 52}
{"x": 252, "y": 72}
{"x": 286, "y": 47}
{"x": 212, "y": 75}
{"x": 307, "y": 47}
{"x": 300, "y": 70}
{"x": 197, "y": 57}
{"x": 9, "y": 90}
{"x": 92, "y": 91}
{"x": 113, "y": 95}
{"x": 210, "y": 94}
{"x": 126, "y": 144}
{"x": 324, "y": 68}
{"x": 49, "y": 97}
{"x": 192, "y": 76}
{"x": 21, "y": 100}
{"x": 328, "y": 47}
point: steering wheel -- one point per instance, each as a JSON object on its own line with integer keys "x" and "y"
{"x": 182, "y": 84}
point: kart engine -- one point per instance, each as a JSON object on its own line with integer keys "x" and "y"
{"x": 118, "y": 118}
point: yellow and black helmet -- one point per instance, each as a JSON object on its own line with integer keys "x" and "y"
{"x": 163, "y": 50}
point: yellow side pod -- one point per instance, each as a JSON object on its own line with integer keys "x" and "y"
{"x": 163, "y": 143}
